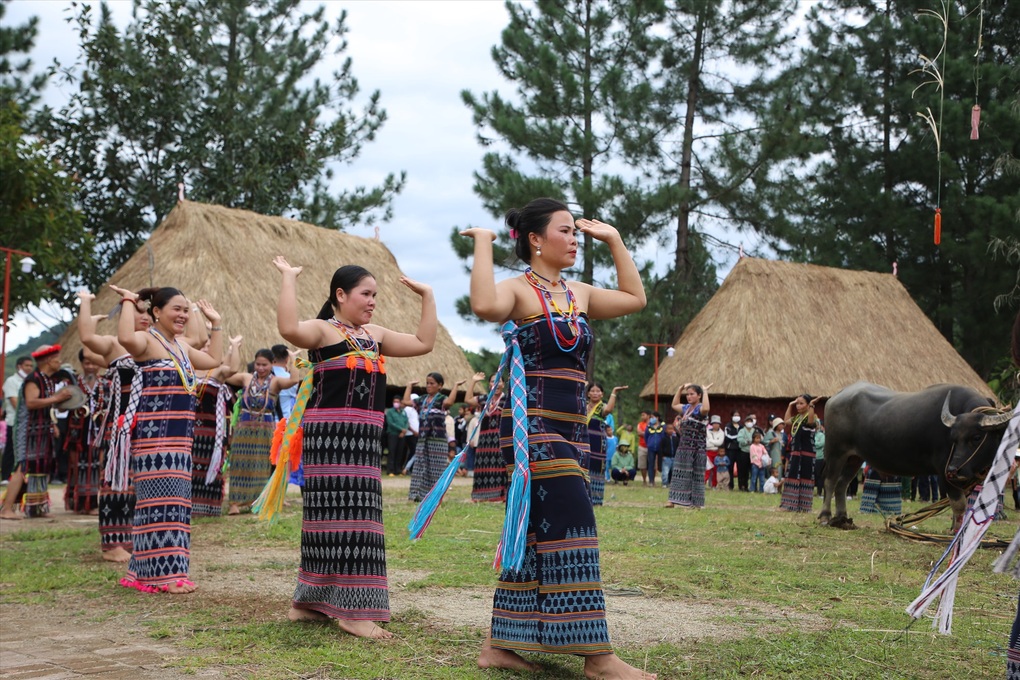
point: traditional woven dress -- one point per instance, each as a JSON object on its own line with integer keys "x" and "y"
{"x": 85, "y": 447}
{"x": 343, "y": 550}
{"x": 554, "y": 603}
{"x": 881, "y": 493}
{"x": 251, "y": 441}
{"x": 489, "y": 483}
{"x": 35, "y": 446}
{"x": 207, "y": 451}
{"x": 687, "y": 488}
{"x": 597, "y": 456}
{"x": 161, "y": 463}
{"x": 799, "y": 485}
{"x": 432, "y": 452}
{"x": 117, "y": 505}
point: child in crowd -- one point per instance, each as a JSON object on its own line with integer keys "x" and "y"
{"x": 610, "y": 446}
{"x": 772, "y": 484}
{"x": 759, "y": 463}
{"x": 722, "y": 470}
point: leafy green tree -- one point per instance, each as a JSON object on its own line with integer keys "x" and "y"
{"x": 39, "y": 215}
{"x": 17, "y": 82}
{"x": 219, "y": 96}
{"x": 578, "y": 70}
{"x": 862, "y": 173}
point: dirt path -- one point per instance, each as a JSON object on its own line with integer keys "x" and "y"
{"x": 79, "y": 641}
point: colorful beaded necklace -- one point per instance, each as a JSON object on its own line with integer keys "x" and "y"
{"x": 570, "y": 316}
{"x": 180, "y": 359}
{"x": 362, "y": 345}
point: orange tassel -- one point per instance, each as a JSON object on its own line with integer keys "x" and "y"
{"x": 369, "y": 368}
{"x": 295, "y": 448}
{"x": 352, "y": 362}
{"x": 274, "y": 450}
{"x": 382, "y": 364}
{"x": 938, "y": 226}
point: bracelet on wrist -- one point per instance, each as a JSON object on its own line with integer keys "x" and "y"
{"x": 127, "y": 299}
{"x": 215, "y": 328}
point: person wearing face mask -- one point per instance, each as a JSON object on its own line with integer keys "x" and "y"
{"x": 252, "y": 439}
{"x": 732, "y": 445}
{"x": 396, "y": 426}
{"x": 687, "y": 489}
{"x": 715, "y": 442}
{"x": 744, "y": 438}
{"x": 12, "y": 386}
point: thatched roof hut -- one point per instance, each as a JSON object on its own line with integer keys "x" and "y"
{"x": 774, "y": 330}
{"x": 225, "y": 255}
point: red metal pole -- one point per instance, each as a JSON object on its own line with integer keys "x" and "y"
{"x": 7, "y": 304}
{"x": 656, "y": 378}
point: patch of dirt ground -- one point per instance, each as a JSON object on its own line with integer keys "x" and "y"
{"x": 38, "y": 642}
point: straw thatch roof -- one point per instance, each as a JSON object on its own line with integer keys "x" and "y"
{"x": 225, "y": 256}
{"x": 778, "y": 329}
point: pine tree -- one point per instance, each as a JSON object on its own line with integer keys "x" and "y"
{"x": 217, "y": 96}
{"x": 861, "y": 176}
{"x": 17, "y": 82}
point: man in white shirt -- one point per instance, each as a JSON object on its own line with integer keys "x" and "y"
{"x": 411, "y": 438}
{"x": 12, "y": 386}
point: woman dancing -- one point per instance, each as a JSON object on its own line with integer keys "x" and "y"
{"x": 489, "y": 483}
{"x": 343, "y": 552}
{"x": 435, "y": 445}
{"x": 253, "y": 437}
{"x": 212, "y": 422}
{"x": 546, "y": 605}
{"x": 163, "y": 435}
{"x": 687, "y": 489}
{"x": 799, "y": 485}
{"x": 85, "y": 442}
{"x": 598, "y": 411}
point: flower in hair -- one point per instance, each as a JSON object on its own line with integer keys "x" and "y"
{"x": 513, "y": 232}
{"x": 144, "y": 305}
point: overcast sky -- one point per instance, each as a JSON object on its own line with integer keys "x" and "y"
{"x": 419, "y": 55}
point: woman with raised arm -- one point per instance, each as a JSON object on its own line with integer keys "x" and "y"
{"x": 435, "y": 447}
{"x": 84, "y": 442}
{"x": 687, "y": 488}
{"x": 799, "y": 485}
{"x": 545, "y": 326}
{"x": 343, "y": 552}
{"x": 212, "y": 420}
{"x": 116, "y": 491}
{"x": 163, "y": 434}
{"x": 489, "y": 483}
{"x": 253, "y": 437}
{"x": 598, "y": 411}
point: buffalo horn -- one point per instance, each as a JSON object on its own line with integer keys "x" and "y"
{"x": 996, "y": 420}
{"x": 947, "y": 418}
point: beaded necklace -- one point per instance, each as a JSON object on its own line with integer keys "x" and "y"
{"x": 362, "y": 345}
{"x": 798, "y": 420}
{"x": 570, "y": 316}
{"x": 259, "y": 388}
{"x": 180, "y": 360}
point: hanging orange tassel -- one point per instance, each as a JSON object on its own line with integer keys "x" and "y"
{"x": 295, "y": 448}
{"x": 938, "y": 226}
{"x": 975, "y": 121}
{"x": 369, "y": 368}
{"x": 274, "y": 450}
{"x": 382, "y": 364}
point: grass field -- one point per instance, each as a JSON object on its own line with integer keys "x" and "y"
{"x": 735, "y": 590}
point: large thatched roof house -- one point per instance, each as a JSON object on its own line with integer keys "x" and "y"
{"x": 225, "y": 255}
{"x": 774, "y": 330}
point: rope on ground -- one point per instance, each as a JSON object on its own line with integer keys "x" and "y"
{"x": 899, "y": 526}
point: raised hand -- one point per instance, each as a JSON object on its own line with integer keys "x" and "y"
{"x": 236, "y": 341}
{"x": 420, "y": 288}
{"x": 707, "y": 387}
{"x": 124, "y": 293}
{"x": 280, "y": 262}
{"x": 84, "y": 295}
{"x": 620, "y": 387}
{"x": 478, "y": 232}
{"x": 413, "y": 383}
{"x": 208, "y": 312}
{"x": 478, "y": 377}
{"x": 600, "y": 231}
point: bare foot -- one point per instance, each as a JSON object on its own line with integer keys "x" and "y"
{"x": 365, "y": 629}
{"x": 612, "y": 667}
{"x": 181, "y": 587}
{"x": 668, "y": 505}
{"x": 492, "y": 657}
{"x": 234, "y": 509}
{"x": 118, "y": 554}
{"x": 94, "y": 511}
{"x": 10, "y": 514}
{"x": 296, "y": 614}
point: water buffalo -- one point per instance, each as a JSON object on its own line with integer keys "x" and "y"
{"x": 908, "y": 434}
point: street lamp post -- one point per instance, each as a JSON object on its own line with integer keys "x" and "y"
{"x": 26, "y": 266}
{"x": 670, "y": 351}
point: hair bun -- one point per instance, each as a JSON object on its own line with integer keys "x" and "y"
{"x": 513, "y": 218}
